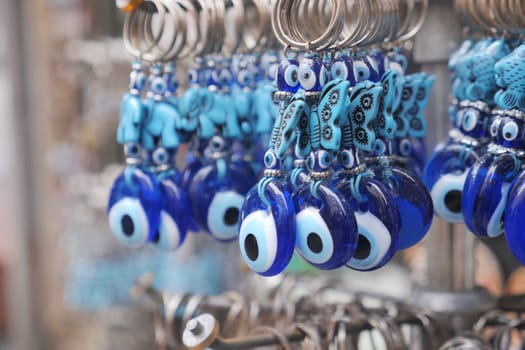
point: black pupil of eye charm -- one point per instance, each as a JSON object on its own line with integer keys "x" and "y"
{"x": 453, "y": 201}
{"x": 508, "y": 135}
{"x": 315, "y": 243}
{"x": 363, "y": 248}
{"x": 251, "y": 247}
{"x": 231, "y": 216}
{"x": 127, "y": 225}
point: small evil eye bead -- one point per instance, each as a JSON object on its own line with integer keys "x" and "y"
{"x": 270, "y": 159}
{"x": 469, "y": 120}
{"x": 310, "y": 162}
{"x": 324, "y": 75}
{"x": 158, "y": 86}
{"x": 405, "y": 147}
{"x": 340, "y": 69}
{"x": 324, "y": 160}
{"x": 494, "y": 128}
{"x": 310, "y": 74}
{"x": 347, "y": 159}
{"x": 194, "y": 77}
{"x": 288, "y": 76}
{"x": 379, "y": 147}
{"x": 510, "y": 131}
{"x": 134, "y": 207}
{"x": 161, "y": 156}
{"x": 361, "y": 71}
{"x": 132, "y": 150}
{"x": 137, "y": 81}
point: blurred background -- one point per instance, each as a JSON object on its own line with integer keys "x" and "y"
{"x": 64, "y": 280}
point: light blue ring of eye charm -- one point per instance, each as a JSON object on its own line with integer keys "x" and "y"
{"x": 267, "y": 228}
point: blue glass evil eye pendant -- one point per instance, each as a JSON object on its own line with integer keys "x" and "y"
{"x": 216, "y": 194}
{"x": 514, "y": 213}
{"x": 267, "y": 229}
{"x": 134, "y": 207}
{"x": 377, "y": 219}
{"x": 326, "y": 227}
{"x": 174, "y": 221}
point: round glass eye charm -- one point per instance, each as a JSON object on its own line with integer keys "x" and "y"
{"x": 514, "y": 214}
{"x": 288, "y": 76}
{"x": 174, "y": 219}
{"x": 445, "y": 176}
{"x": 378, "y": 224}
{"x": 342, "y": 68}
{"x": 312, "y": 74}
{"x": 267, "y": 229}
{"x": 415, "y": 207}
{"x": 134, "y": 207}
{"x": 216, "y": 195}
{"x": 326, "y": 227}
{"x": 485, "y": 193}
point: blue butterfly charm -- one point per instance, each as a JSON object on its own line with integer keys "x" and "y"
{"x": 325, "y": 118}
{"x": 283, "y": 134}
{"x": 362, "y": 112}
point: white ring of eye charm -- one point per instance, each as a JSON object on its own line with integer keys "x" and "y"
{"x": 444, "y": 193}
{"x": 258, "y": 240}
{"x": 169, "y": 233}
{"x": 361, "y": 71}
{"x": 339, "y": 70}
{"x": 378, "y": 236}
{"x": 217, "y": 212}
{"x": 323, "y": 76}
{"x": 129, "y": 222}
{"x": 495, "y": 127}
{"x": 291, "y": 76}
{"x": 307, "y": 77}
{"x": 470, "y": 120}
{"x": 308, "y": 222}
{"x": 158, "y": 86}
{"x": 510, "y": 131}
{"x": 270, "y": 160}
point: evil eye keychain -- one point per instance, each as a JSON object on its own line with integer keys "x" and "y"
{"x": 401, "y": 96}
{"x": 326, "y": 227}
{"x": 447, "y": 170}
{"x": 488, "y": 182}
{"x": 267, "y": 229}
{"x": 378, "y": 221}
